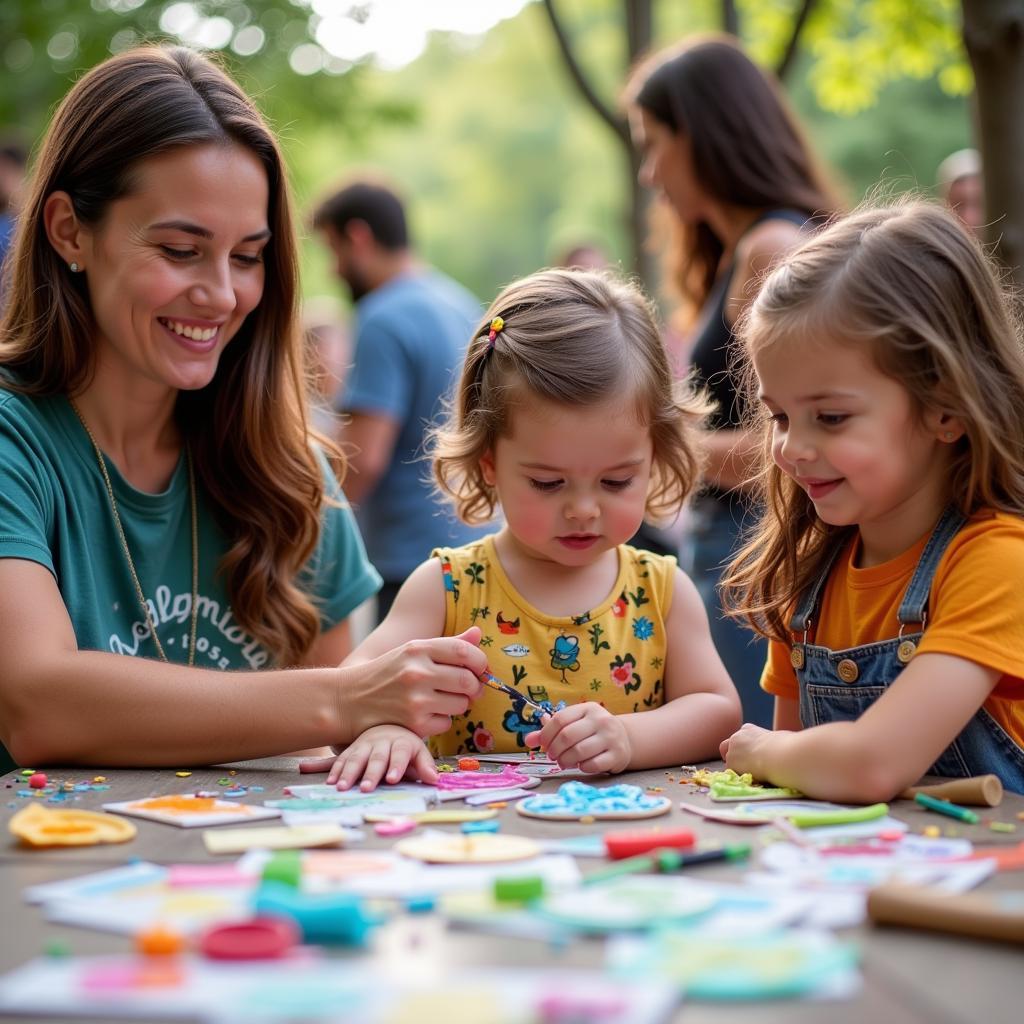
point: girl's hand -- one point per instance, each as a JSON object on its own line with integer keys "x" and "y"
{"x": 744, "y": 751}
{"x": 584, "y": 736}
{"x": 386, "y": 752}
{"x": 420, "y": 684}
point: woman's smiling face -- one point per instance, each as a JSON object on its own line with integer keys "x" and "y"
{"x": 174, "y": 267}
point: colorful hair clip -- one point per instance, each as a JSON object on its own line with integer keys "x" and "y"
{"x": 496, "y": 325}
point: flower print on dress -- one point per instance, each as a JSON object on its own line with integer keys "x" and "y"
{"x": 643, "y": 628}
{"x": 624, "y": 674}
{"x": 515, "y": 723}
{"x": 481, "y": 740}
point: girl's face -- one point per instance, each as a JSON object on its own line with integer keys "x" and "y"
{"x": 851, "y": 438}
{"x": 667, "y": 165}
{"x": 572, "y": 481}
{"x": 175, "y": 267}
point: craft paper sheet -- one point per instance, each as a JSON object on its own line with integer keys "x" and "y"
{"x": 175, "y": 810}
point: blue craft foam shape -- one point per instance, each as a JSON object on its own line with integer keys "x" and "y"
{"x": 333, "y": 919}
{"x": 487, "y": 825}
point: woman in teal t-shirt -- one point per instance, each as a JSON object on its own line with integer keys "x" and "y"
{"x": 161, "y": 493}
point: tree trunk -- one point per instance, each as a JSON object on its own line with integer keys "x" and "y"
{"x": 638, "y": 18}
{"x": 638, "y": 34}
{"x": 994, "y": 38}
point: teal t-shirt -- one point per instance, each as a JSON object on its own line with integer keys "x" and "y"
{"x": 55, "y": 510}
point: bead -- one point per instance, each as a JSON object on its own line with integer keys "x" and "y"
{"x": 159, "y": 941}
{"x": 38, "y": 780}
{"x": 518, "y": 889}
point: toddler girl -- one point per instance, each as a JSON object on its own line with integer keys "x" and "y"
{"x": 567, "y": 418}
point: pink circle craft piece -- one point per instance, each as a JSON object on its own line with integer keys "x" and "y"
{"x": 577, "y": 801}
{"x": 259, "y": 938}
{"x": 508, "y": 778}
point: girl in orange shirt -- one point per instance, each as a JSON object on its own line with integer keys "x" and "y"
{"x": 886, "y": 567}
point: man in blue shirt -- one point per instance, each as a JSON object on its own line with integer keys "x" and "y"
{"x": 412, "y": 326}
{"x": 12, "y": 172}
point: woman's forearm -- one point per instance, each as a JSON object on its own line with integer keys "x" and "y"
{"x": 90, "y": 707}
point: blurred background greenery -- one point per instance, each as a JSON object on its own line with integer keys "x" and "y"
{"x": 468, "y": 107}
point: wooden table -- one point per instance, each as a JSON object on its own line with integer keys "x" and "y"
{"x": 909, "y": 976}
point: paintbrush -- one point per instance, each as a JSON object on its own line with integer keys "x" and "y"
{"x": 491, "y": 680}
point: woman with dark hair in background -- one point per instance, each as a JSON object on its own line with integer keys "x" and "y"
{"x": 161, "y": 493}
{"x": 727, "y": 156}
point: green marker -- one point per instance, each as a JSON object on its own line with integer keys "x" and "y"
{"x": 665, "y": 860}
{"x": 945, "y": 807}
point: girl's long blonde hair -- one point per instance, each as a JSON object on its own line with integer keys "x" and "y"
{"x": 247, "y": 429}
{"x": 909, "y": 282}
{"x": 574, "y": 338}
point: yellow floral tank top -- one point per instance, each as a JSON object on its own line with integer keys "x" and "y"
{"x": 613, "y": 654}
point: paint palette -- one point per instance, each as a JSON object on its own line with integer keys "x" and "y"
{"x": 578, "y": 800}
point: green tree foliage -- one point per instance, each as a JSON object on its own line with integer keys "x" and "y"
{"x": 857, "y": 48}
{"x": 504, "y": 165}
{"x": 46, "y": 44}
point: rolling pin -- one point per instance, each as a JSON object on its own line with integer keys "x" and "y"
{"x": 977, "y": 791}
{"x": 997, "y": 915}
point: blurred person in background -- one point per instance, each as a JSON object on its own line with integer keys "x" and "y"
{"x": 740, "y": 184}
{"x": 328, "y": 353}
{"x": 412, "y": 326}
{"x": 13, "y": 161}
{"x": 961, "y": 188}
{"x": 584, "y": 256}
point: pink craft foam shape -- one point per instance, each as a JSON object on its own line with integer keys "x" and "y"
{"x": 508, "y": 778}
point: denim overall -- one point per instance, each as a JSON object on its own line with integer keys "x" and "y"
{"x": 838, "y": 686}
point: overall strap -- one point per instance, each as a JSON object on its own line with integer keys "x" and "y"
{"x": 914, "y": 606}
{"x": 808, "y": 603}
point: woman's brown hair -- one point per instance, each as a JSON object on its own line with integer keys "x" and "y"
{"x": 574, "y": 338}
{"x": 908, "y": 283}
{"x": 247, "y": 429}
{"x": 748, "y": 149}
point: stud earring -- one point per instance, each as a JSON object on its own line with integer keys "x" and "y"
{"x": 948, "y": 435}
{"x": 73, "y": 267}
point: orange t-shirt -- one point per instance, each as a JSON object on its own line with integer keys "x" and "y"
{"x": 975, "y": 610}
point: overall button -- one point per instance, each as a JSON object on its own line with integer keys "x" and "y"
{"x": 796, "y": 657}
{"x": 905, "y": 651}
{"x": 848, "y": 670}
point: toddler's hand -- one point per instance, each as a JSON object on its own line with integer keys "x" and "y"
{"x": 584, "y": 736}
{"x": 743, "y": 750}
{"x": 386, "y": 752}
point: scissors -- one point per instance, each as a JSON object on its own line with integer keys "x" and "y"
{"x": 491, "y": 680}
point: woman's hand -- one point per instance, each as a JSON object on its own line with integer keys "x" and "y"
{"x": 584, "y": 736}
{"x": 386, "y": 752}
{"x": 420, "y": 684}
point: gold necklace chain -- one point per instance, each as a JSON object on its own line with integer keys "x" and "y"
{"x": 128, "y": 555}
